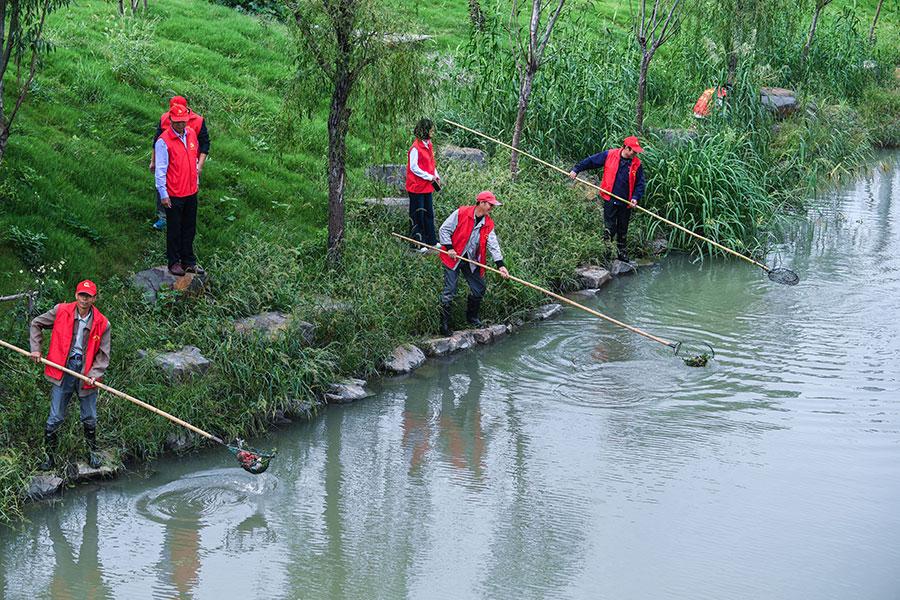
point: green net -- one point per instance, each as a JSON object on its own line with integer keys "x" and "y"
{"x": 251, "y": 460}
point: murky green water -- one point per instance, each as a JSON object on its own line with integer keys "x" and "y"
{"x": 569, "y": 461}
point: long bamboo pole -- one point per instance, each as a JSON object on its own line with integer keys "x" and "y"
{"x": 660, "y": 340}
{"x": 599, "y": 189}
{"x": 116, "y": 392}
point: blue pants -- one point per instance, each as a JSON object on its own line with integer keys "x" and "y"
{"x": 421, "y": 218}
{"x": 476, "y": 283}
{"x": 61, "y": 394}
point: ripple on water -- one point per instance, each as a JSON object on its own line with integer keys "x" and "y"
{"x": 211, "y": 495}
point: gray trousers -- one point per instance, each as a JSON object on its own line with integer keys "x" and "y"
{"x": 61, "y": 394}
{"x": 476, "y": 283}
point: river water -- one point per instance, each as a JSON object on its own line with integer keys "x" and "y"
{"x": 570, "y": 460}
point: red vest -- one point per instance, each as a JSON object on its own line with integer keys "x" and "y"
{"x": 460, "y": 236}
{"x": 414, "y": 183}
{"x": 611, "y": 167}
{"x": 195, "y": 121}
{"x": 61, "y": 339}
{"x": 181, "y": 177}
{"x": 701, "y": 108}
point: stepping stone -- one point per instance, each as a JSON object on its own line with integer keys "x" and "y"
{"x": 273, "y": 324}
{"x": 153, "y": 281}
{"x": 42, "y": 486}
{"x": 81, "y": 471}
{"x": 182, "y": 365}
{"x": 460, "y": 340}
{"x": 592, "y": 277}
{"x": 621, "y": 268}
{"x": 488, "y": 335}
{"x": 547, "y": 311}
{"x": 659, "y": 246}
{"x": 467, "y": 156}
{"x": 405, "y": 359}
{"x": 348, "y": 390}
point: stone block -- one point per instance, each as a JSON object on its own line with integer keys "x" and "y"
{"x": 42, "y": 486}
{"x": 346, "y": 391}
{"x": 780, "y": 101}
{"x": 620, "y": 267}
{"x": 547, "y": 311}
{"x": 81, "y": 471}
{"x": 467, "y": 156}
{"x": 270, "y": 324}
{"x": 592, "y": 277}
{"x": 405, "y": 359}
{"x": 400, "y": 205}
{"x": 153, "y": 281}
{"x": 182, "y": 365}
{"x": 391, "y": 175}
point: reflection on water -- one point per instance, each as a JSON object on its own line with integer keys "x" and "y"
{"x": 571, "y": 460}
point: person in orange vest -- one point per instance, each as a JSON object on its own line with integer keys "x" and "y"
{"x": 177, "y": 180}
{"x": 468, "y": 232}
{"x": 421, "y": 181}
{"x": 80, "y": 340}
{"x": 701, "y": 107}
{"x": 195, "y": 122}
{"x": 623, "y": 175}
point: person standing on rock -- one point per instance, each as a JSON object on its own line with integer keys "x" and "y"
{"x": 623, "y": 175}
{"x": 422, "y": 180}
{"x": 80, "y": 340}
{"x": 468, "y": 232}
{"x": 177, "y": 181}
{"x": 195, "y": 122}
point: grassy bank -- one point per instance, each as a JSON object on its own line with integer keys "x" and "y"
{"x": 74, "y": 186}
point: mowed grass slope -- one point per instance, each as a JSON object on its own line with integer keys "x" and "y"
{"x": 76, "y": 171}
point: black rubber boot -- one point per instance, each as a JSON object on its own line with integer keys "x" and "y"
{"x": 445, "y": 320}
{"x": 473, "y": 305}
{"x": 90, "y": 436}
{"x": 50, "y": 443}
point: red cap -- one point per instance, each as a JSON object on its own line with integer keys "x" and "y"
{"x": 179, "y": 113}
{"x": 177, "y": 100}
{"x": 489, "y": 197}
{"x": 87, "y": 287}
{"x": 632, "y": 142}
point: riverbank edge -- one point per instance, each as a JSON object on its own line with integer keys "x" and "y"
{"x": 591, "y": 279}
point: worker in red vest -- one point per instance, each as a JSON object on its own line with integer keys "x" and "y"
{"x": 468, "y": 232}
{"x": 421, "y": 179}
{"x": 195, "y": 122}
{"x": 623, "y": 175}
{"x": 79, "y": 340}
{"x": 702, "y": 106}
{"x": 177, "y": 178}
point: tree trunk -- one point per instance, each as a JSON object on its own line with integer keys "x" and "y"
{"x": 122, "y": 7}
{"x": 524, "y": 97}
{"x": 641, "y": 93}
{"x": 338, "y": 124}
{"x": 812, "y": 32}
{"x": 4, "y": 140}
{"x": 875, "y": 21}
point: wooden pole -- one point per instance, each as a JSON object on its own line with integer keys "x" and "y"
{"x": 552, "y": 294}
{"x": 116, "y": 392}
{"x": 599, "y": 189}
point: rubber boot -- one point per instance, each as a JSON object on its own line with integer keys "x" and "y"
{"x": 445, "y": 320}
{"x": 473, "y": 305}
{"x": 50, "y": 444}
{"x": 90, "y": 436}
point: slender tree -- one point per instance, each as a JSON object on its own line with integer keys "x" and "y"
{"x": 875, "y": 21}
{"x": 654, "y": 29}
{"x": 530, "y": 48}
{"x": 22, "y": 36}
{"x": 820, "y": 4}
{"x": 340, "y": 44}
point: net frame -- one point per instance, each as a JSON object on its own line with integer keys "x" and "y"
{"x": 784, "y": 276}
{"x": 250, "y": 459}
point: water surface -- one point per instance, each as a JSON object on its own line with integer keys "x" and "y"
{"x": 571, "y": 460}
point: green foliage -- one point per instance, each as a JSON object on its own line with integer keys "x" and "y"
{"x": 29, "y": 245}
{"x": 130, "y": 48}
